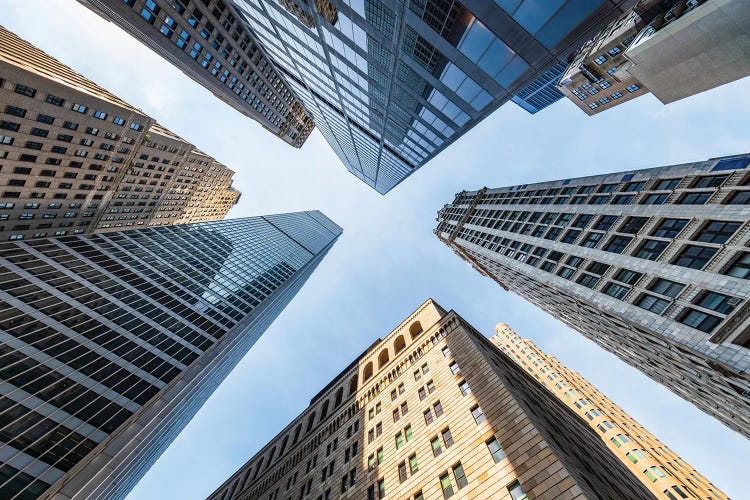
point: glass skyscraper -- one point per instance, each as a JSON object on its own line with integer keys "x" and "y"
{"x": 388, "y": 83}
{"x": 110, "y": 343}
{"x": 541, "y": 92}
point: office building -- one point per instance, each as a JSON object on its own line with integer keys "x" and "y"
{"x": 596, "y": 79}
{"x": 433, "y": 410}
{"x": 671, "y": 49}
{"x": 650, "y": 459}
{"x": 111, "y": 342}
{"x": 389, "y": 85}
{"x": 209, "y": 42}
{"x": 652, "y": 265}
{"x": 77, "y": 159}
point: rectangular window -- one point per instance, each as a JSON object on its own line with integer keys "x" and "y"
{"x": 717, "y": 232}
{"x": 478, "y": 414}
{"x": 723, "y": 304}
{"x": 438, "y": 409}
{"x": 666, "y": 184}
{"x": 422, "y": 393}
{"x": 740, "y": 268}
{"x": 651, "y": 303}
{"x": 101, "y": 115}
{"x": 57, "y": 101}
{"x": 695, "y": 257}
{"x": 654, "y": 199}
{"x": 25, "y": 90}
{"x": 436, "y": 448}
{"x": 402, "y": 472}
{"x": 617, "y": 244}
{"x": 404, "y": 408}
{"x": 633, "y": 224}
{"x": 445, "y": 484}
{"x": 495, "y": 450}
{"x": 464, "y": 386}
{"x": 413, "y": 463}
{"x": 454, "y": 368}
{"x": 651, "y": 249}
{"x": 592, "y": 240}
{"x": 666, "y": 287}
{"x": 447, "y": 437}
{"x": 79, "y": 108}
{"x": 428, "y": 417}
{"x": 616, "y": 291}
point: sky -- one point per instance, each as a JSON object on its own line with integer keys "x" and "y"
{"x": 388, "y": 261}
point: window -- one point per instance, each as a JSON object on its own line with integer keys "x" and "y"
{"x": 582, "y": 221}
{"x": 408, "y": 433}
{"x": 396, "y": 415}
{"x": 654, "y": 199}
{"x": 651, "y": 249}
{"x": 401, "y": 388}
{"x": 675, "y": 489}
{"x": 25, "y": 90}
{"x": 402, "y": 472}
{"x": 428, "y": 417}
{"x": 616, "y": 291}
{"x": 478, "y": 415}
{"x": 79, "y": 108}
{"x": 371, "y": 462}
{"x": 666, "y": 287}
{"x": 666, "y": 184}
{"x": 454, "y": 368}
{"x": 694, "y": 198}
{"x": 633, "y": 224}
{"x": 718, "y": 302}
{"x": 425, "y": 368}
{"x": 654, "y": 473}
{"x": 438, "y": 409}
{"x": 619, "y": 440}
{"x": 458, "y": 473}
{"x": 436, "y": 448}
{"x": 617, "y": 244}
{"x": 118, "y": 121}
{"x": 495, "y": 450}
{"x": 709, "y": 181}
{"x": 588, "y": 280}
{"x": 464, "y": 386}
{"x": 605, "y": 222}
{"x": 669, "y": 228}
{"x": 419, "y": 496}
{"x": 413, "y": 463}
{"x": 740, "y": 268}
{"x": 632, "y": 88}
{"x": 651, "y": 303}
{"x": 393, "y": 395}
{"x": 417, "y": 375}
{"x": 635, "y": 456}
{"x": 381, "y": 488}
{"x": 600, "y": 60}
{"x": 57, "y": 101}
{"x": 399, "y": 440}
{"x": 739, "y": 198}
{"x": 380, "y": 455}
{"x": 445, "y": 484}
{"x": 447, "y": 437}
{"x": 717, "y": 232}
{"x": 422, "y": 393}
{"x": 446, "y": 352}
{"x": 694, "y": 256}
{"x": 592, "y": 240}
{"x": 516, "y": 491}
{"x": 404, "y": 408}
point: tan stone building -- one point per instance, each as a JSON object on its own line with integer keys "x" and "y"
{"x": 75, "y": 158}
{"x": 658, "y": 467}
{"x": 435, "y": 410}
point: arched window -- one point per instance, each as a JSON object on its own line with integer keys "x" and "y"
{"x": 339, "y": 397}
{"x": 270, "y": 457}
{"x": 383, "y": 359}
{"x": 310, "y": 422}
{"x": 324, "y": 411}
{"x": 296, "y": 433}
{"x": 415, "y": 329}
{"x": 399, "y": 344}
{"x": 353, "y": 384}
{"x": 367, "y": 374}
{"x": 283, "y": 445}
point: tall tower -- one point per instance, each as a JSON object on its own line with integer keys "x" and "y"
{"x": 434, "y": 410}
{"x": 650, "y": 460}
{"x": 209, "y": 42}
{"x": 653, "y": 265}
{"x": 112, "y": 342}
{"x": 77, "y": 159}
{"x": 389, "y": 84}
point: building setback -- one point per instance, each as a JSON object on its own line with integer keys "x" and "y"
{"x": 77, "y": 159}
{"x": 111, "y": 342}
{"x": 658, "y": 467}
{"x": 432, "y": 410}
{"x": 650, "y": 264}
{"x": 209, "y": 43}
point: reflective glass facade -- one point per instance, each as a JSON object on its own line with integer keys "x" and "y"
{"x": 653, "y": 265}
{"x": 109, "y": 343}
{"x": 541, "y": 92}
{"x": 391, "y": 83}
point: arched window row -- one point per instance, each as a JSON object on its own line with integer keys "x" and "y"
{"x": 399, "y": 344}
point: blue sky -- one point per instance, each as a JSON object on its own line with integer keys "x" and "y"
{"x": 388, "y": 261}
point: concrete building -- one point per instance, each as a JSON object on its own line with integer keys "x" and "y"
{"x": 596, "y": 79}
{"x": 77, "y": 159}
{"x": 389, "y": 84}
{"x": 210, "y": 43}
{"x": 650, "y": 264}
{"x": 659, "y": 468}
{"x": 434, "y": 410}
{"x": 696, "y": 46}
{"x": 672, "y": 49}
{"x": 110, "y": 343}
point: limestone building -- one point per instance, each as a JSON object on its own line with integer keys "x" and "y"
{"x": 76, "y": 159}
{"x": 658, "y": 467}
{"x": 652, "y": 265}
{"x": 434, "y": 410}
{"x": 110, "y": 343}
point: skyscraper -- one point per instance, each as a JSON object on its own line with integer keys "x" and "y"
{"x": 389, "y": 84}
{"x": 432, "y": 410}
{"x": 543, "y": 91}
{"x": 77, "y": 159}
{"x": 209, "y": 42}
{"x": 648, "y": 458}
{"x": 653, "y": 265}
{"x": 111, "y": 342}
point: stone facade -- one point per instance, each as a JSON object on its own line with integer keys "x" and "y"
{"x": 77, "y": 159}
{"x": 659, "y": 468}
{"x": 651, "y": 264}
{"x": 432, "y": 410}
